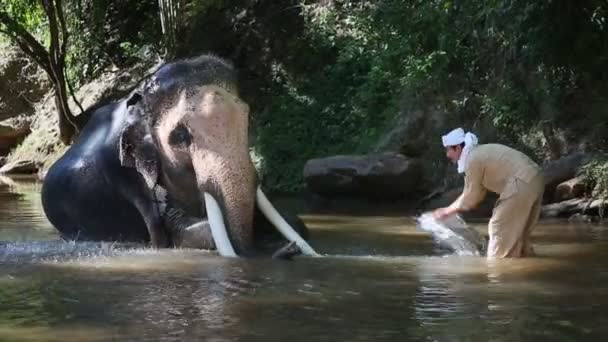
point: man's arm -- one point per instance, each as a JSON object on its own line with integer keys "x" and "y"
{"x": 471, "y": 195}
{"x": 452, "y": 209}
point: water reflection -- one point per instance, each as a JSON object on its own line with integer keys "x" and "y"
{"x": 381, "y": 280}
{"x": 509, "y": 300}
{"x": 21, "y": 216}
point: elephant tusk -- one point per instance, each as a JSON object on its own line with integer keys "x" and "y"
{"x": 218, "y": 228}
{"x": 282, "y": 226}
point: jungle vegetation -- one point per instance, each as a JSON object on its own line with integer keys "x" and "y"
{"x": 329, "y": 76}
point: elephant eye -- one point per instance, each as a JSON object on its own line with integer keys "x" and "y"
{"x": 180, "y": 136}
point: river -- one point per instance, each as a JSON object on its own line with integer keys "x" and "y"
{"x": 380, "y": 279}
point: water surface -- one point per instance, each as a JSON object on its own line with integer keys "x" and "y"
{"x": 380, "y": 280}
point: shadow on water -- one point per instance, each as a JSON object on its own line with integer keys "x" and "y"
{"x": 381, "y": 280}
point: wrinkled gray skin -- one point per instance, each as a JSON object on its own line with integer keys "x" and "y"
{"x": 140, "y": 167}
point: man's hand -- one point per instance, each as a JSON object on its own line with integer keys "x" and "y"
{"x": 441, "y": 213}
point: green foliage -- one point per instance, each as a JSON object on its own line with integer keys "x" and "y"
{"x": 101, "y": 32}
{"x": 327, "y": 77}
{"x": 509, "y": 63}
{"x": 110, "y": 33}
{"x": 596, "y": 173}
{"x": 30, "y": 14}
{"x": 344, "y": 105}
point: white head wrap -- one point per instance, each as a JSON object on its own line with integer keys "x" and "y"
{"x": 457, "y": 137}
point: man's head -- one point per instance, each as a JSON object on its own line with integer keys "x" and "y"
{"x": 453, "y": 152}
{"x": 454, "y": 144}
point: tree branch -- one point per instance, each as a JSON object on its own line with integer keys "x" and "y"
{"x": 71, "y": 89}
{"x": 62, "y": 49}
{"x": 41, "y": 59}
{"x": 19, "y": 33}
{"x": 51, "y": 60}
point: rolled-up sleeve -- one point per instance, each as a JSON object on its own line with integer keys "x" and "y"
{"x": 473, "y": 191}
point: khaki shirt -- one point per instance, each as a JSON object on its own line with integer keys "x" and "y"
{"x": 494, "y": 167}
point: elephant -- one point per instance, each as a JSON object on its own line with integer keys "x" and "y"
{"x": 167, "y": 165}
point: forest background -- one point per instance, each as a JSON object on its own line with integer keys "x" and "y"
{"x": 331, "y": 77}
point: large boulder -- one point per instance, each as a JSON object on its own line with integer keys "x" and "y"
{"x": 573, "y": 188}
{"x": 379, "y": 176}
{"x": 562, "y": 170}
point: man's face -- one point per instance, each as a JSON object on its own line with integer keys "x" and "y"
{"x": 453, "y": 153}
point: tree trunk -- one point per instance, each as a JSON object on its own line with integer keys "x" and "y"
{"x": 171, "y": 14}
{"x": 52, "y": 61}
{"x": 553, "y": 143}
{"x": 67, "y": 122}
{"x": 67, "y": 129}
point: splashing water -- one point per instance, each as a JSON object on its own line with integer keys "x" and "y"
{"x": 58, "y": 250}
{"x": 454, "y": 234}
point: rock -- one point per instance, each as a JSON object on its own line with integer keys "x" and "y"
{"x": 380, "y": 176}
{"x": 13, "y": 131}
{"x": 573, "y": 188}
{"x": 410, "y": 133}
{"x": 562, "y": 170}
{"x": 405, "y": 137}
{"x": 20, "y": 167}
{"x": 574, "y": 206}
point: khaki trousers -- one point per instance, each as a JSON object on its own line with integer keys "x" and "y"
{"x": 515, "y": 215}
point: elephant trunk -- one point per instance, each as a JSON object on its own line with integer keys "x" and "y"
{"x": 237, "y": 205}
{"x": 232, "y": 185}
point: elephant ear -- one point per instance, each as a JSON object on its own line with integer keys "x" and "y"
{"x": 136, "y": 146}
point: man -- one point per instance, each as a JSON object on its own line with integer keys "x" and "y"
{"x": 511, "y": 174}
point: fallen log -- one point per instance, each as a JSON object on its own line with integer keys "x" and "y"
{"x": 568, "y": 208}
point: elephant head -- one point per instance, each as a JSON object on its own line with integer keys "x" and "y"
{"x": 187, "y": 129}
